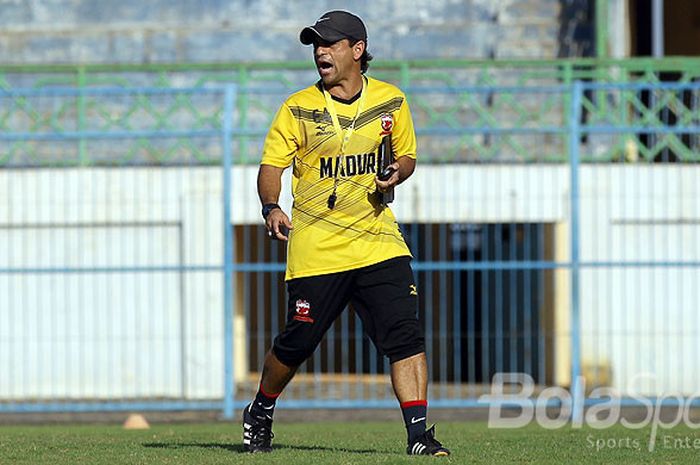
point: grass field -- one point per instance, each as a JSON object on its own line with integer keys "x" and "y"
{"x": 340, "y": 443}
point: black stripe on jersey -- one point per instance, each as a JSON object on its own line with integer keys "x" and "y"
{"x": 317, "y": 116}
{"x": 375, "y": 112}
{"x": 308, "y": 115}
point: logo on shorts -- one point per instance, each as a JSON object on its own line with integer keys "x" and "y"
{"x": 414, "y": 290}
{"x": 303, "y": 309}
{"x": 387, "y": 123}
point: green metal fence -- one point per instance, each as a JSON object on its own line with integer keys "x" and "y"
{"x": 439, "y": 116}
{"x": 405, "y": 73}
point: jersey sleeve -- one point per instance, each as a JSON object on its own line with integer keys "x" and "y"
{"x": 282, "y": 141}
{"x": 403, "y": 137}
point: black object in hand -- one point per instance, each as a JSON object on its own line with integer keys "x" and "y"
{"x": 385, "y": 157}
{"x": 386, "y": 173}
{"x": 282, "y": 229}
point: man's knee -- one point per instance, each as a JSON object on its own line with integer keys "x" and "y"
{"x": 403, "y": 341}
{"x": 293, "y": 353}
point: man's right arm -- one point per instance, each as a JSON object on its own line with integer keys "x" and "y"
{"x": 269, "y": 187}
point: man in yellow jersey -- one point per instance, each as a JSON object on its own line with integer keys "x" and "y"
{"x": 345, "y": 245}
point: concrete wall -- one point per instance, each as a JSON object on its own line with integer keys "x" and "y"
{"x": 73, "y": 334}
{"x": 137, "y": 31}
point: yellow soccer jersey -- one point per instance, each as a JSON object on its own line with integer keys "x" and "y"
{"x": 358, "y": 231}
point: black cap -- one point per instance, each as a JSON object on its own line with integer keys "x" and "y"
{"x": 334, "y": 26}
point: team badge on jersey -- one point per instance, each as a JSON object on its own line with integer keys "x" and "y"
{"x": 387, "y": 123}
{"x": 303, "y": 309}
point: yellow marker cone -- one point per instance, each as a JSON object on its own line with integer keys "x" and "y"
{"x": 136, "y": 421}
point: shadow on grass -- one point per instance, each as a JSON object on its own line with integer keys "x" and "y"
{"x": 238, "y": 448}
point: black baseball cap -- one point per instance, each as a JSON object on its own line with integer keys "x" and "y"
{"x": 334, "y": 26}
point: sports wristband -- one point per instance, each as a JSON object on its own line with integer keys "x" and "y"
{"x": 267, "y": 208}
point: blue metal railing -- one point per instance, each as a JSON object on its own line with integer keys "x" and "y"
{"x": 486, "y": 296}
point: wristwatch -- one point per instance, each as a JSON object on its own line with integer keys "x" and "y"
{"x": 267, "y": 208}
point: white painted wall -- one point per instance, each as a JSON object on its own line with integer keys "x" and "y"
{"x": 72, "y": 335}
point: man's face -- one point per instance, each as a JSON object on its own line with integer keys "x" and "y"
{"x": 336, "y": 61}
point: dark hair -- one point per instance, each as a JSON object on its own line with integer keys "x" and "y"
{"x": 365, "y": 58}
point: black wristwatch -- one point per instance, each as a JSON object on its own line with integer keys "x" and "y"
{"x": 267, "y": 208}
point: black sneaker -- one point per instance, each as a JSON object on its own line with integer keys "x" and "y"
{"x": 426, "y": 444}
{"x": 257, "y": 431}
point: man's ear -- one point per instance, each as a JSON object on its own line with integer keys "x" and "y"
{"x": 358, "y": 49}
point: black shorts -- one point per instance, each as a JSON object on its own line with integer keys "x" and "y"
{"x": 383, "y": 295}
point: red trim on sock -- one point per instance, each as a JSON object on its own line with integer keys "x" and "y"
{"x": 414, "y": 403}
{"x": 269, "y": 396}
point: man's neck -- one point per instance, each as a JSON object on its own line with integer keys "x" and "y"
{"x": 347, "y": 88}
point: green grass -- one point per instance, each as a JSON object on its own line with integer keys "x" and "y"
{"x": 339, "y": 443}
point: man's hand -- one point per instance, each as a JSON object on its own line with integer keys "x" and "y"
{"x": 384, "y": 186}
{"x": 278, "y": 225}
